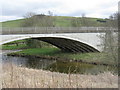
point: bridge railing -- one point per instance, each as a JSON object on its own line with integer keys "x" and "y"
{"x": 52, "y": 30}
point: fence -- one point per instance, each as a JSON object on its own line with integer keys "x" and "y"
{"x": 52, "y": 30}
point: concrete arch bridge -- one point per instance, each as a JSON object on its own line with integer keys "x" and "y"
{"x": 73, "y": 41}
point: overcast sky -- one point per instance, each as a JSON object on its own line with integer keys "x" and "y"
{"x": 16, "y": 9}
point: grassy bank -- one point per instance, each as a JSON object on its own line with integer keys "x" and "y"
{"x": 55, "y": 53}
{"x": 13, "y": 47}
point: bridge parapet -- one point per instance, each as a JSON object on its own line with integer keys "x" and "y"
{"x": 52, "y": 30}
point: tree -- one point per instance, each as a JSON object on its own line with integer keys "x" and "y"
{"x": 84, "y": 20}
{"x": 113, "y": 20}
{"x": 110, "y": 39}
{"x": 50, "y": 13}
{"x": 75, "y": 22}
{"x": 29, "y": 20}
{"x": 38, "y": 20}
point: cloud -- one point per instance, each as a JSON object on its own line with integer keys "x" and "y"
{"x": 97, "y": 8}
{"x": 6, "y": 18}
{"x": 21, "y": 7}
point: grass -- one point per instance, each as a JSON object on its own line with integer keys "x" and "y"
{"x": 14, "y": 42}
{"x": 55, "y": 52}
{"x": 12, "y": 23}
{"x": 13, "y": 47}
{"x": 40, "y": 51}
{"x": 60, "y": 21}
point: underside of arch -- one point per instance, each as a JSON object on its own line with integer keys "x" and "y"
{"x": 68, "y": 45}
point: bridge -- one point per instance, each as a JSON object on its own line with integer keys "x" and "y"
{"x": 71, "y": 39}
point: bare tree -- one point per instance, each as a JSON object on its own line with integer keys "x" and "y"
{"x": 84, "y": 20}
{"x": 113, "y": 20}
{"x": 75, "y": 22}
{"x": 38, "y": 20}
{"x": 110, "y": 39}
{"x": 29, "y": 20}
{"x": 50, "y": 13}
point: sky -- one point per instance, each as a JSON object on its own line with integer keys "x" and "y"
{"x": 17, "y": 9}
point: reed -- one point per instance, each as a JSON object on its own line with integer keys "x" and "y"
{"x": 22, "y": 77}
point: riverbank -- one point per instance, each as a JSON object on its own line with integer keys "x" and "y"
{"x": 8, "y": 51}
{"x": 13, "y": 47}
{"x": 57, "y": 54}
{"x": 21, "y": 77}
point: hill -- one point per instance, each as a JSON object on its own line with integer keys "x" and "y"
{"x": 12, "y": 23}
{"x": 61, "y": 21}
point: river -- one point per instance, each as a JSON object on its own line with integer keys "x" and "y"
{"x": 55, "y": 65}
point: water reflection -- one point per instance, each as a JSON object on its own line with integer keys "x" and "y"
{"x": 58, "y": 66}
{"x": 19, "y": 61}
{"x": 76, "y": 67}
{"x": 38, "y": 63}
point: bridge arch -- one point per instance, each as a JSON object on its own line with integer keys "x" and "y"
{"x": 64, "y": 43}
{"x": 68, "y": 45}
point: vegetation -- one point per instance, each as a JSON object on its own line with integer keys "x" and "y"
{"x": 100, "y": 58}
{"x": 109, "y": 44}
{"x": 39, "y": 51}
{"x": 53, "y": 21}
{"x": 24, "y": 44}
{"x": 12, "y": 23}
{"x": 34, "y": 43}
{"x": 34, "y": 20}
{"x": 14, "y": 47}
{"x": 76, "y": 68}
{"x": 110, "y": 39}
{"x": 22, "y": 77}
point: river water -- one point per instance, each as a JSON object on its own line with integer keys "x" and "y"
{"x": 55, "y": 65}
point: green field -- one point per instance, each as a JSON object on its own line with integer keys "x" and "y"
{"x": 59, "y": 21}
{"x": 12, "y": 23}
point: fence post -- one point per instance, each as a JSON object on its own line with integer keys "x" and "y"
{"x": 22, "y": 29}
{"x": 34, "y": 29}
{"x": 9, "y": 31}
